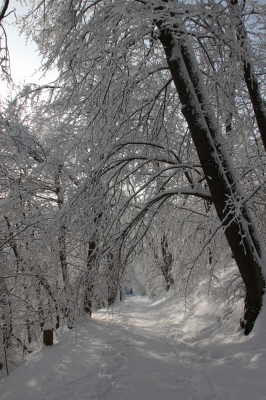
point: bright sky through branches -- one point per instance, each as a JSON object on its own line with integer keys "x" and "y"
{"x": 24, "y": 59}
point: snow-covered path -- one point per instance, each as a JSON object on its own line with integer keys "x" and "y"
{"x": 147, "y": 350}
{"x": 150, "y": 367}
{"x": 121, "y": 355}
{"x": 157, "y": 367}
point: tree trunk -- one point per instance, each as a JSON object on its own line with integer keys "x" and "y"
{"x": 121, "y": 295}
{"x": 6, "y": 315}
{"x": 90, "y": 277}
{"x": 112, "y": 279}
{"x": 226, "y": 192}
{"x": 167, "y": 263}
{"x": 48, "y": 337}
{"x": 62, "y": 234}
{"x": 62, "y": 254}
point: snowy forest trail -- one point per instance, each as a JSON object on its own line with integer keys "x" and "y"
{"x": 124, "y": 354}
{"x": 152, "y": 369}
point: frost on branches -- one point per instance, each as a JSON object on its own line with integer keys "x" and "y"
{"x": 144, "y": 162}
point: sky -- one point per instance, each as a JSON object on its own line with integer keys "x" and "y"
{"x": 24, "y": 58}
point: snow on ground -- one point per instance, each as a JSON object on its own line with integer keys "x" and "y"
{"x": 144, "y": 349}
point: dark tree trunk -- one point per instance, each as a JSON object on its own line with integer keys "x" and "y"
{"x": 6, "y": 315}
{"x": 91, "y": 265}
{"x": 88, "y": 300}
{"x": 48, "y": 337}
{"x": 62, "y": 234}
{"x": 4, "y": 10}
{"x": 167, "y": 263}
{"x": 112, "y": 280}
{"x": 121, "y": 293}
{"x": 62, "y": 242}
{"x": 208, "y": 208}
{"x": 62, "y": 254}
{"x": 226, "y": 193}
{"x": 29, "y": 330}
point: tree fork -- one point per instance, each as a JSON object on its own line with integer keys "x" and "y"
{"x": 240, "y": 230}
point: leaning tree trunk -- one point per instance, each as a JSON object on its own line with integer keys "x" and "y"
{"x": 226, "y": 192}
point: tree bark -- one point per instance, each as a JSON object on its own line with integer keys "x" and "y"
{"x": 48, "y": 337}
{"x": 4, "y": 10}
{"x": 90, "y": 277}
{"x": 63, "y": 227}
{"x": 112, "y": 279}
{"x": 6, "y": 315}
{"x": 167, "y": 263}
{"x": 227, "y": 195}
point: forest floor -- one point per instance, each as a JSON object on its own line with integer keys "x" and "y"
{"x": 144, "y": 349}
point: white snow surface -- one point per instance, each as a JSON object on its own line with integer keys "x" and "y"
{"x": 149, "y": 349}
{"x": 48, "y": 326}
